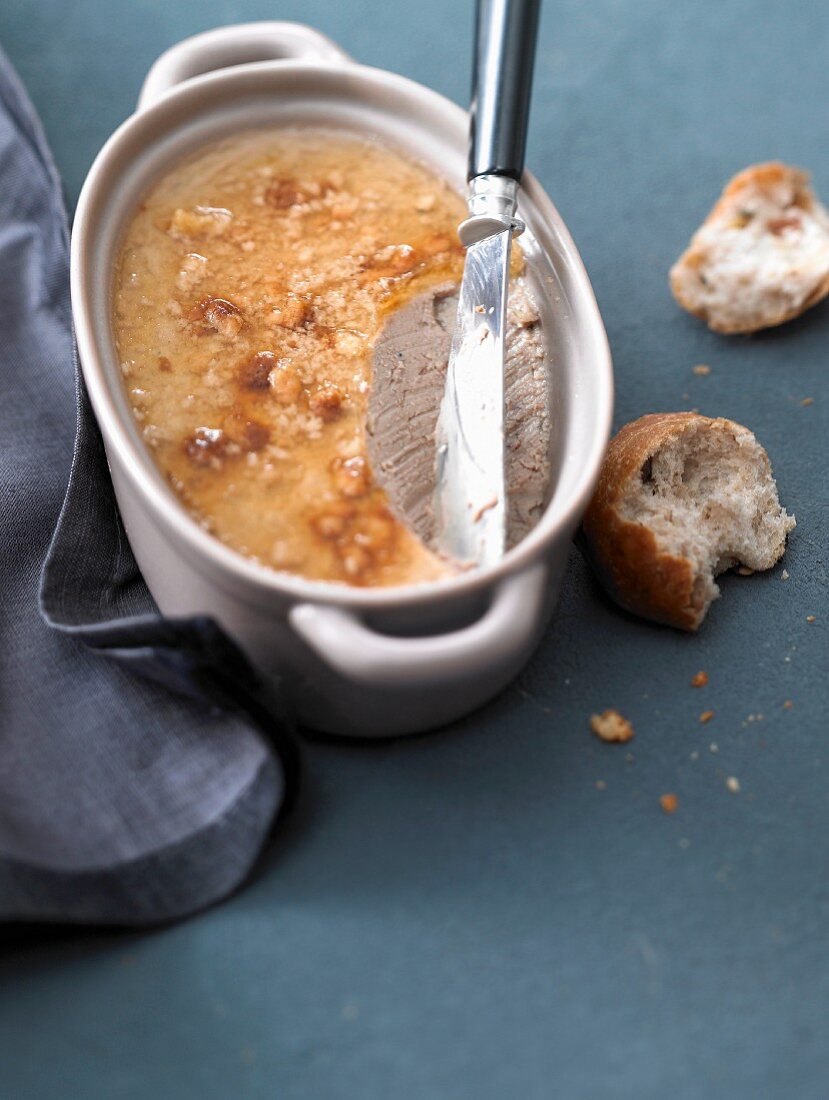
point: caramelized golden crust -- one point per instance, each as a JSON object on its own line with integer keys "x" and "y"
{"x": 253, "y": 282}
{"x": 765, "y": 177}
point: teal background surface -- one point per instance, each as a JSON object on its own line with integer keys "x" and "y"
{"x": 471, "y": 913}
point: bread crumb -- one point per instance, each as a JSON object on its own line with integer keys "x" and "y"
{"x": 733, "y": 784}
{"x": 700, "y": 680}
{"x": 807, "y": 401}
{"x": 706, "y": 716}
{"x": 702, "y": 368}
{"x": 811, "y": 618}
{"x": 669, "y": 803}
{"x": 611, "y": 726}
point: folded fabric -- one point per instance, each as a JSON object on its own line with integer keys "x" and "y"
{"x": 124, "y": 798}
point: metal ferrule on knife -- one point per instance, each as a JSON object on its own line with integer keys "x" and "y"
{"x": 492, "y": 202}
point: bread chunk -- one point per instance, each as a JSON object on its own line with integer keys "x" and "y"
{"x": 761, "y": 257}
{"x": 680, "y": 499}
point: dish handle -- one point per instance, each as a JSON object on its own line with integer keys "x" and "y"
{"x": 237, "y": 45}
{"x": 356, "y": 651}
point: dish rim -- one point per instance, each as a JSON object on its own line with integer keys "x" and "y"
{"x": 136, "y": 460}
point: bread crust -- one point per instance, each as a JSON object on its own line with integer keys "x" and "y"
{"x": 626, "y": 556}
{"x": 757, "y": 180}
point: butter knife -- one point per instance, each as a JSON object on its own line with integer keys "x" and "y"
{"x": 470, "y": 495}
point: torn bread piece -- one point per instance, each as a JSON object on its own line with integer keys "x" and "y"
{"x": 681, "y": 498}
{"x": 761, "y": 257}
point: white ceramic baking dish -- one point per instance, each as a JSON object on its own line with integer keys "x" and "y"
{"x": 351, "y": 661}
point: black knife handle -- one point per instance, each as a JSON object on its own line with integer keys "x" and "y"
{"x": 502, "y": 75}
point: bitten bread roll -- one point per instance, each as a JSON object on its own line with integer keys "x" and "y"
{"x": 761, "y": 257}
{"x": 680, "y": 499}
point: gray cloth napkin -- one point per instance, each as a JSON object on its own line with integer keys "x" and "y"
{"x": 124, "y": 799}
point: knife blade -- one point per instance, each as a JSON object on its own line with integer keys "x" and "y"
{"x": 470, "y": 499}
